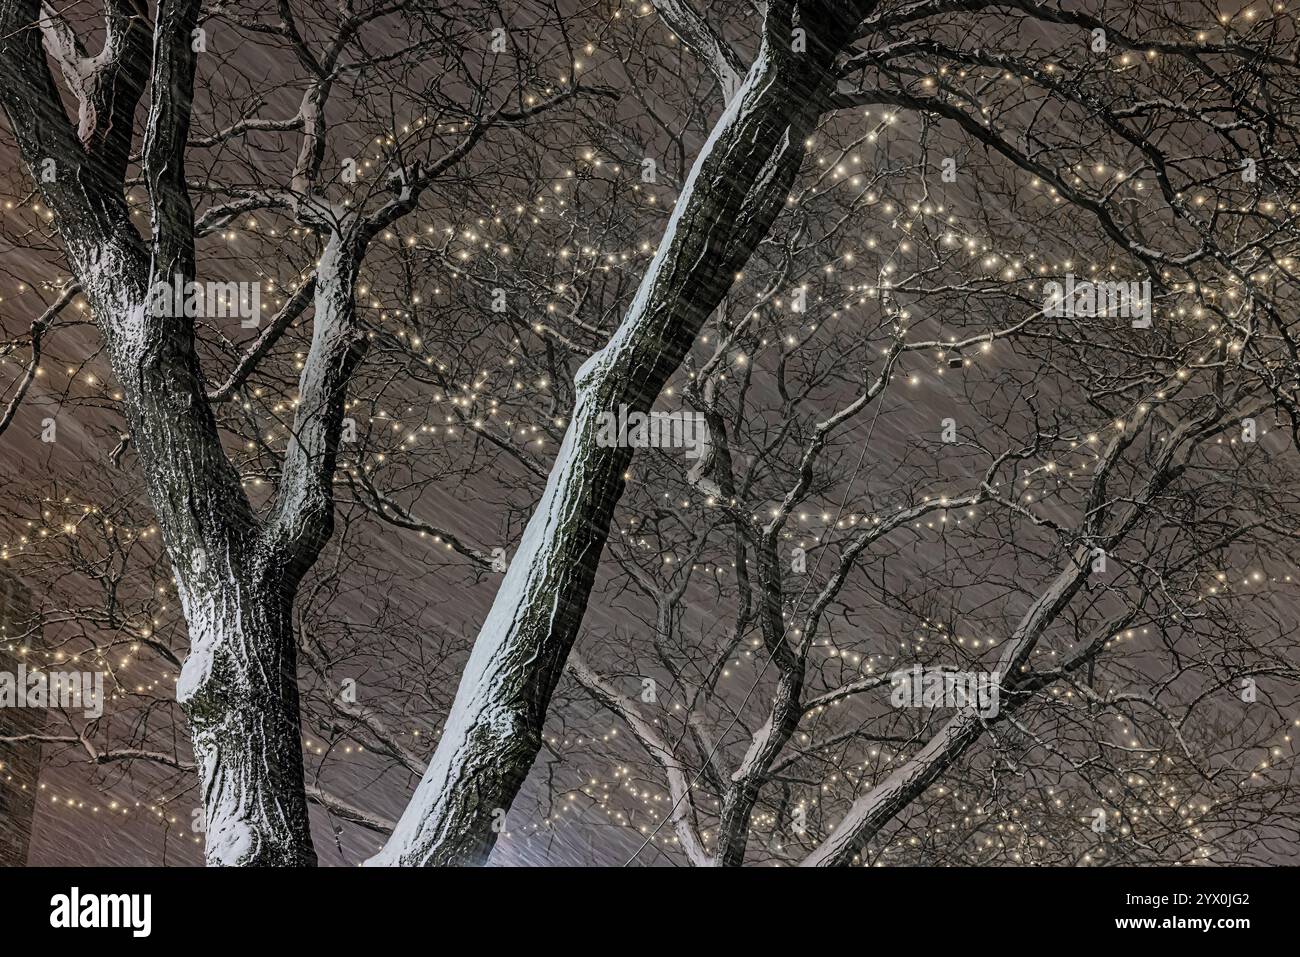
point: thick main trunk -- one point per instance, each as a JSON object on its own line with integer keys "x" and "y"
{"x": 239, "y": 690}
{"x": 238, "y": 685}
{"x": 737, "y": 187}
{"x": 235, "y": 580}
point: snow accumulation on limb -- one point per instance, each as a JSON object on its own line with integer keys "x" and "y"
{"x": 238, "y": 684}
{"x": 712, "y": 48}
{"x": 737, "y": 186}
{"x": 679, "y": 785}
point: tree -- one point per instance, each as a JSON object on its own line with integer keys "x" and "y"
{"x": 238, "y": 564}
{"x": 1175, "y": 398}
{"x": 737, "y": 186}
{"x": 918, "y": 455}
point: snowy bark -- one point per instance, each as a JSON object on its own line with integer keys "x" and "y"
{"x": 238, "y": 684}
{"x": 239, "y": 690}
{"x": 682, "y": 809}
{"x": 736, "y": 188}
{"x": 709, "y": 45}
{"x": 236, "y": 583}
{"x": 881, "y": 804}
{"x": 303, "y": 517}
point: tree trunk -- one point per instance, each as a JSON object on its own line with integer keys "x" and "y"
{"x": 239, "y": 690}
{"x": 236, "y": 576}
{"x": 736, "y": 188}
{"x": 238, "y": 685}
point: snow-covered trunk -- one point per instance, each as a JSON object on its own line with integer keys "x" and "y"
{"x": 873, "y": 810}
{"x": 238, "y": 684}
{"x": 236, "y": 575}
{"x": 239, "y": 690}
{"x": 736, "y": 188}
{"x": 236, "y": 584}
{"x": 747, "y": 781}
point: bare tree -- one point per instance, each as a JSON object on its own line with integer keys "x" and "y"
{"x": 841, "y": 261}
{"x": 238, "y": 564}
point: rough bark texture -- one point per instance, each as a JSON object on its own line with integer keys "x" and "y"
{"x": 239, "y": 690}
{"x": 236, "y": 584}
{"x": 735, "y": 190}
